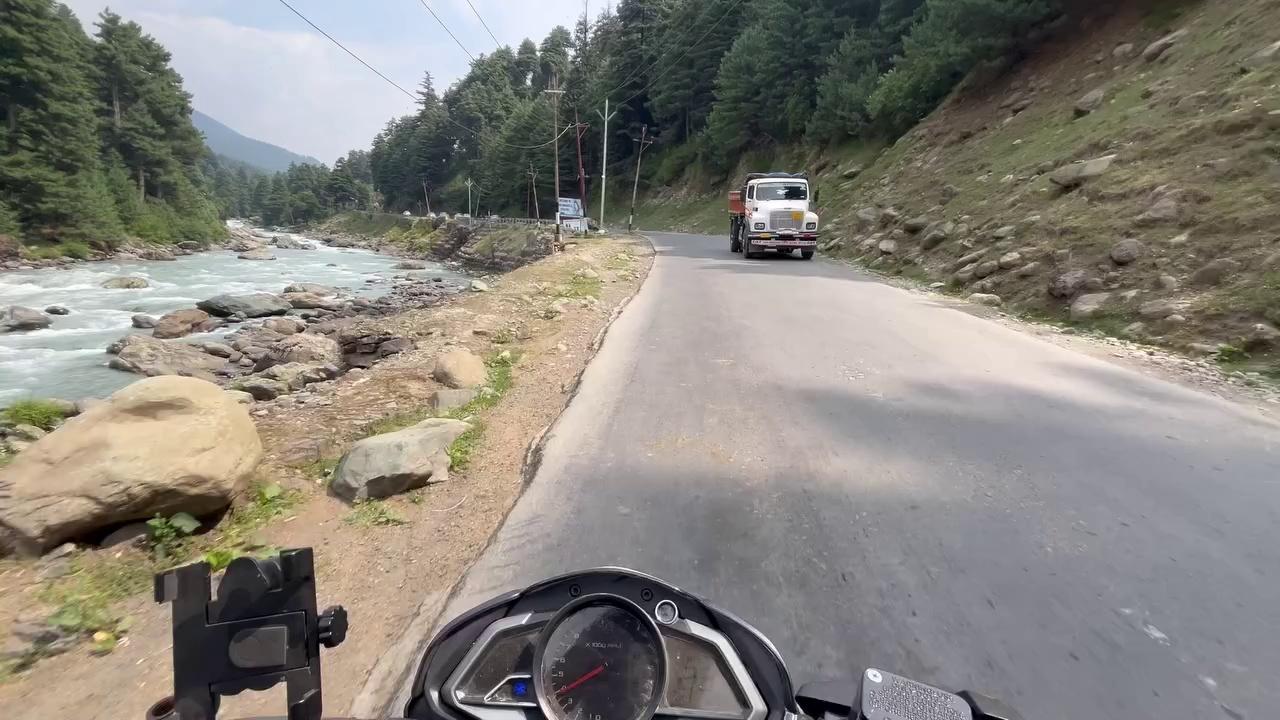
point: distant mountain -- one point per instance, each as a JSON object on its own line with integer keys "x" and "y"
{"x": 225, "y": 141}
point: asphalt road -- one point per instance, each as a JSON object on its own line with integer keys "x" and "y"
{"x": 877, "y": 478}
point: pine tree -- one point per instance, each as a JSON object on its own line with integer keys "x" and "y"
{"x": 526, "y": 64}
{"x": 48, "y": 144}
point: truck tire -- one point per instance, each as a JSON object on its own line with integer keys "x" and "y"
{"x": 748, "y": 249}
{"x": 735, "y": 243}
{"x": 806, "y": 254}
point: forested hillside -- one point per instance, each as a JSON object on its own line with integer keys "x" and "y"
{"x": 264, "y": 156}
{"x": 97, "y": 146}
{"x": 707, "y": 79}
{"x": 96, "y": 141}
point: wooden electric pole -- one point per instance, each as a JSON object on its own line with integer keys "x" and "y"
{"x": 644, "y": 130}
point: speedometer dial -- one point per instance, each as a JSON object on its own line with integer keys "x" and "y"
{"x": 600, "y": 658}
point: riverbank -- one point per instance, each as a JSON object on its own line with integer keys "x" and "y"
{"x": 537, "y": 326}
{"x": 98, "y": 303}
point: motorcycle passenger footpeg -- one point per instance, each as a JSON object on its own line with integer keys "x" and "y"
{"x": 262, "y": 629}
{"x": 885, "y": 696}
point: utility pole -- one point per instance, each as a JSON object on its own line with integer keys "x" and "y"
{"x": 644, "y": 130}
{"x": 555, "y": 92}
{"x": 582, "y": 177}
{"x": 425, "y": 196}
{"x": 606, "y": 116}
{"x": 468, "y": 184}
{"x": 533, "y": 187}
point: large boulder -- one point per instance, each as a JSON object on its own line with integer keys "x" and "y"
{"x": 251, "y": 306}
{"x": 1089, "y": 306}
{"x": 143, "y": 322}
{"x": 285, "y": 325}
{"x": 1215, "y": 272}
{"x": 312, "y": 301}
{"x": 1091, "y": 101}
{"x": 125, "y": 283}
{"x": 1126, "y": 251}
{"x": 460, "y": 368}
{"x": 1158, "y": 48}
{"x": 151, "y": 356}
{"x": 307, "y": 348}
{"x": 1078, "y": 173}
{"x": 385, "y": 465}
{"x": 18, "y": 318}
{"x": 158, "y": 447}
{"x": 179, "y": 323}
{"x": 298, "y": 375}
{"x": 314, "y": 288}
{"x": 1068, "y": 283}
{"x": 261, "y": 254}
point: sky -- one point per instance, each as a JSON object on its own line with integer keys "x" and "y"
{"x": 258, "y": 68}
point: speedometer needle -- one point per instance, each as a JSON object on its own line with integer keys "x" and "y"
{"x": 590, "y": 674}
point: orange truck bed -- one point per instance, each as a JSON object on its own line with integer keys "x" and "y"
{"x": 735, "y": 203}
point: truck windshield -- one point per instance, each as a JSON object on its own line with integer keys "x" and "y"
{"x": 782, "y": 191}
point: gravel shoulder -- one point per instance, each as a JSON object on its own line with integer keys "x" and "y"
{"x": 381, "y": 566}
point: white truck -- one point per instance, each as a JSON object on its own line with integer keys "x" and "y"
{"x": 772, "y": 211}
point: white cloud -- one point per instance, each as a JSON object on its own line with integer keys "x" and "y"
{"x": 297, "y": 90}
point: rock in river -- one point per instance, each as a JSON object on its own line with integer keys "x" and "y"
{"x": 384, "y": 465}
{"x": 312, "y": 301}
{"x": 314, "y": 288}
{"x": 307, "y": 348}
{"x": 17, "y": 318}
{"x": 125, "y": 283}
{"x": 251, "y": 306}
{"x": 151, "y": 356}
{"x": 159, "y": 446}
{"x": 179, "y": 323}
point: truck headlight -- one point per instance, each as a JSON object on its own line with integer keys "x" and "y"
{"x": 811, "y": 226}
{"x": 759, "y": 226}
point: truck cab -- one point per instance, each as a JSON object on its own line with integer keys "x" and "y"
{"x": 773, "y": 211}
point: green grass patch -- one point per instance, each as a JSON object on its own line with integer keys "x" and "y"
{"x": 85, "y": 599}
{"x": 373, "y": 513}
{"x": 462, "y": 449}
{"x": 322, "y": 469}
{"x": 40, "y": 413}
{"x": 580, "y": 287}
{"x": 53, "y": 251}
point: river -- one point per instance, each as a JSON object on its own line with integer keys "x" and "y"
{"x": 67, "y": 360}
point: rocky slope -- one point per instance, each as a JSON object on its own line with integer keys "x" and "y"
{"x": 1123, "y": 176}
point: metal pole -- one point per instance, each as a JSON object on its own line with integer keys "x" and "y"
{"x": 604, "y": 158}
{"x": 644, "y": 129}
{"x": 425, "y": 196}
{"x": 468, "y": 201}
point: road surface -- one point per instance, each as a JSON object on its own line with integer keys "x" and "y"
{"x": 876, "y": 477}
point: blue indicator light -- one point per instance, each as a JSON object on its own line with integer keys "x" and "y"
{"x": 519, "y": 688}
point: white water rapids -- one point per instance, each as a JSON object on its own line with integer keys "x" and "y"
{"x": 67, "y": 360}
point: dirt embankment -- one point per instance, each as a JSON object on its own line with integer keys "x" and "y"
{"x": 379, "y": 559}
{"x": 478, "y": 244}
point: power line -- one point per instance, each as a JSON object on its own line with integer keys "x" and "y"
{"x": 446, "y": 29}
{"x": 408, "y": 94}
{"x": 687, "y": 48}
{"x": 344, "y": 48}
{"x": 485, "y": 24}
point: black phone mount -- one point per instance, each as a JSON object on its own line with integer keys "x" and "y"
{"x": 263, "y": 629}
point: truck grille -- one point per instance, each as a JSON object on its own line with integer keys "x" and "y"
{"x": 783, "y": 220}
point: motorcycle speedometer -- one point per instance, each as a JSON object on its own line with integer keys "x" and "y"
{"x": 600, "y": 658}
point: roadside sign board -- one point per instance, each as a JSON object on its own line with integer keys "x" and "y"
{"x": 570, "y": 208}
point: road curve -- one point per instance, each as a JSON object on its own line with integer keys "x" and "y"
{"x": 877, "y": 478}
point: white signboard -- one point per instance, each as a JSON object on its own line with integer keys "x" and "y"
{"x": 570, "y": 208}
